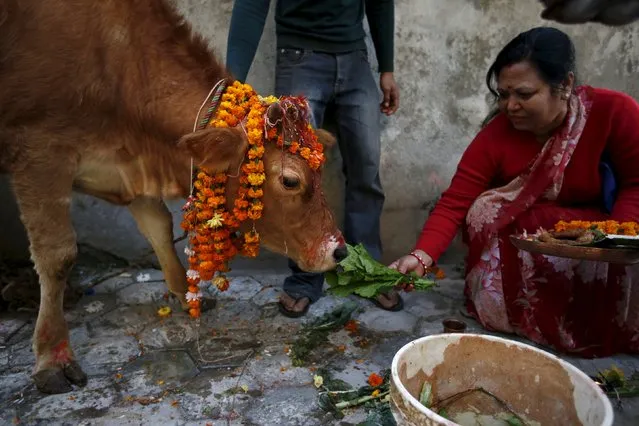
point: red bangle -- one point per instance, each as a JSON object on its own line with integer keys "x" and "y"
{"x": 419, "y": 259}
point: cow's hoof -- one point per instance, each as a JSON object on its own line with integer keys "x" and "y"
{"x": 74, "y": 373}
{"x": 59, "y": 380}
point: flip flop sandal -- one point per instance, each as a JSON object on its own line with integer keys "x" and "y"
{"x": 293, "y": 314}
{"x": 395, "y": 308}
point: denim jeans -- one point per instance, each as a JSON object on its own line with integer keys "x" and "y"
{"x": 345, "y": 82}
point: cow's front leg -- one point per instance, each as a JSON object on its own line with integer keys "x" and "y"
{"x": 156, "y": 224}
{"x": 44, "y": 203}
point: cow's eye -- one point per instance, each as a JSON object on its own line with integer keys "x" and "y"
{"x": 290, "y": 182}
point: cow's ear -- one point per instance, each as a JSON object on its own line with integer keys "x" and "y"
{"x": 215, "y": 149}
{"x": 326, "y": 138}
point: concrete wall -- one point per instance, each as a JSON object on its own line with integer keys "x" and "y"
{"x": 443, "y": 49}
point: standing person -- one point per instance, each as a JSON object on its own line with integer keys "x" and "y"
{"x": 321, "y": 54}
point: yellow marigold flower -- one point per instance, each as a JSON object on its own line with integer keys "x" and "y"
{"x": 256, "y": 152}
{"x": 268, "y": 100}
{"x": 375, "y": 393}
{"x": 164, "y": 311}
{"x": 255, "y": 193}
{"x": 256, "y": 179}
{"x": 253, "y": 122}
{"x": 253, "y": 167}
{"x": 305, "y": 153}
{"x": 221, "y": 282}
{"x": 251, "y": 237}
{"x": 223, "y": 115}
{"x": 257, "y": 206}
{"x": 254, "y": 136}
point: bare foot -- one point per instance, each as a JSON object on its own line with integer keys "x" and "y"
{"x": 294, "y": 305}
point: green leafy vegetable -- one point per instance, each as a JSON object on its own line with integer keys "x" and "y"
{"x": 426, "y": 395}
{"x": 360, "y": 274}
{"x": 316, "y": 332}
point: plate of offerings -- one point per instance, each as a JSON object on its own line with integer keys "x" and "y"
{"x": 606, "y": 241}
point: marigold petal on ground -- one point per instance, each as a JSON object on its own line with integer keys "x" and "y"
{"x": 375, "y": 380}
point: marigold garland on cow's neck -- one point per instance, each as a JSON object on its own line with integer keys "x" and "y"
{"x": 212, "y": 228}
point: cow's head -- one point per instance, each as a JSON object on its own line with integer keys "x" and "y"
{"x": 296, "y": 220}
{"x": 607, "y": 12}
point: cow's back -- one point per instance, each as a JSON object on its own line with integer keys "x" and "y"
{"x": 87, "y": 66}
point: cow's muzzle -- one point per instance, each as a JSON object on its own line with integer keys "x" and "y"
{"x": 340, "y": 253}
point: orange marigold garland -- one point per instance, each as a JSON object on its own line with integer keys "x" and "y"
{"x": 607, "y": 226}
{"x": 212, "y": 226}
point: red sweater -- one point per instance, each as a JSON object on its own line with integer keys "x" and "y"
{"x": 499, "y": 153}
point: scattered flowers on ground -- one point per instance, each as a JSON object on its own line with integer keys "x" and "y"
{"x": 375, "y": 380}
{"x": 164, "y": 311}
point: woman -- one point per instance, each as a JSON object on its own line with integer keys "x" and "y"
{"x": 544, "y": 157}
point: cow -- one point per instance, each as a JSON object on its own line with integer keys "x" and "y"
{"x": 100, "y": 97}
{"x": 607, "y": 12}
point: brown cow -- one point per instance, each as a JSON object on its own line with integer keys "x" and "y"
{"x": 100, "y": 97}
{"x": 607, "y": 12}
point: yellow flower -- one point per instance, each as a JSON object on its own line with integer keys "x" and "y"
{"x": 164, "y": 311}
{"x": 219, "y": 124}
{"x": 221, "y": 282}
{"x": 254, "y": 136}
{"x": 253, "y": 122}
{"x": 216, "y": 221}
{"x": 225, "y": 104}
{"x": 318, "y": 381}
{"x": 268, "y": 100}
{"x": 375, "y": 393}
{"x": 614, "y": 376}
{"x": 251, "y": 237}
{"x": 256, "y": 179}
{"x": 305, "y": 153}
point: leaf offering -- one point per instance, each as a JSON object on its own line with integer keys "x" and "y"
{"x": 360, "y": 274}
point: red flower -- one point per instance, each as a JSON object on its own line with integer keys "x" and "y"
{"x": 375, "y": 380}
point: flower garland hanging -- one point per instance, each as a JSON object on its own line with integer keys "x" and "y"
{"x": 211, "y": 224}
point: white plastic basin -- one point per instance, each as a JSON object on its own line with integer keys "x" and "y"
{"x": 538, "y": 386}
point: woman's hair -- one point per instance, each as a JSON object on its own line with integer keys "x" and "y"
{"x": 548, "y": 49}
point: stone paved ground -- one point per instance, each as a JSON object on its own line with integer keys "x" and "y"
{"x": 233, "y": 369}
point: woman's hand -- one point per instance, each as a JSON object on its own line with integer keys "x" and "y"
{"x": 410, "y": 263}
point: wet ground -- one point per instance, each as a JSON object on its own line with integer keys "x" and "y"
{"x": 234, "y": 368}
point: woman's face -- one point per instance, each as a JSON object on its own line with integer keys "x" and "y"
{"x": 529, "y": 102}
